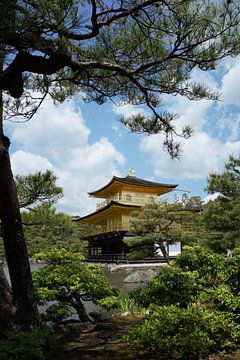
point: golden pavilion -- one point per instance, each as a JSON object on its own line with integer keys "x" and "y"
{"x": 109, "y": 226}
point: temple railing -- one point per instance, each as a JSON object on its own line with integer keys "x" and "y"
{"x": 106, "y": 257}
{"x": 129, "y": 199}
{"x": 122, "y": 258}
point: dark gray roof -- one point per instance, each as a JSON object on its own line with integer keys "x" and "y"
{"x": 132, "y": 180}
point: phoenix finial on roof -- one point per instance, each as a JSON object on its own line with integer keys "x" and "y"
{"x": 131, "y": 172}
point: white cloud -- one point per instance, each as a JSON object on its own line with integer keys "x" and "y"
{"x": 24, "y": 163}
{"x": 201, "y": 154}
{"x": 129, "y": 110}
{"x": 193, "y": 113}
{"x": 53, "y": 130}
{"x": 204, "y": 152}
{"x": 60, "y": 138}
{"x": 89, "y": 168}
{"x": 231, "y": 85}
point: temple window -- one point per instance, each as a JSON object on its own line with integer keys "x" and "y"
{"x": 128, "y": 197}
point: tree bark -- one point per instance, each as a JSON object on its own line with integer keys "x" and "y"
{"x": 80, "y": 308}
{"x": 6, "y": 307}
{"x": 164, "y": 251}
{"x": 14, "y": 242}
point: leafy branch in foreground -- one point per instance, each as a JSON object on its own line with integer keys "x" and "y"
{"x": 128, "y": 52}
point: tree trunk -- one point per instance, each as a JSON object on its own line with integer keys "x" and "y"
{"x": 164, "y": 251}
{"x": 77, "y": 303}
{"x": 14, "y": 241}
{"x": 6, "y": 307}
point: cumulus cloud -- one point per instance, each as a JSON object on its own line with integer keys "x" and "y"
{"x": 24, "y": 163}
{"x": 231, "y": 86}
{"x": 215, "y": 129}
{"x": 210, "y": 197}
{"x": 129, "y": 110}
{"x": 53, "y": 131}
{"x": 58, "y": 139}
{"x": 189, "y": 112}
{"x": 201, "y": 154}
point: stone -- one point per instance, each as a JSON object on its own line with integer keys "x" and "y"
{"x": 140, "y": 276}
{"x": 75, "y": 327}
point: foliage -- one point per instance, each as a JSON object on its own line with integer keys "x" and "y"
{"x": 121, "y": 50}
{"x": 190, "y": 334}
{"x": 69, "y": 282}
{"x": 37, "y": 188}
{"x": 194, "y": 306}
{"x": 169, "y": 286}
{"x": 232, "y": 271}
{"x": 206, "y": 263}
{"x": 221, "y": 217}
{"x": 46, "y": 229}
{"x": 34, "y": 345}
{"x": 121, "y": 303}
{"x": 158, "y": 225}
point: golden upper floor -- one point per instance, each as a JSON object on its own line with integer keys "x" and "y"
{"x": 131, "y": 190}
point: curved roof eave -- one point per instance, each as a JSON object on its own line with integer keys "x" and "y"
{"x": 111, "y": 203}
{"x": 131, "y": 180}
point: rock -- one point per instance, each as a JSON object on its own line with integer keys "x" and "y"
{"x": 113, "y": 268}
{"x": 86, "y": 343}
{"x": 75, "y": 327}
{"x": 140, "y": 276}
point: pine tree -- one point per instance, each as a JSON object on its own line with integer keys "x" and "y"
{"x": 159, "y": 225}
{"x": 222, "y": 216}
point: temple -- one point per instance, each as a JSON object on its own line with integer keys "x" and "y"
{"x": 109, "y": 226}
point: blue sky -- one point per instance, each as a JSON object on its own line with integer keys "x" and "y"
{"x": 85, "y": 144}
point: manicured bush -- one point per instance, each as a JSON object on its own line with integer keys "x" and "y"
{"x": 194, "y": 308}
{"x": 69, "y": 282}
{"x": 189, "y": 334}
{"x": 208, "y": 264}
{"x": 170, "y": 286}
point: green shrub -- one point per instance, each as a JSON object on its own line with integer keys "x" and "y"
{"x": 69, "y": 282}
{"x": 208, "y": 264}
{"x": 33, "y": 345}
{"x": 187, "y": 334}
{"x": 223, "y": 299}
{"x": 121, "y": 303}
{"x": 170, "y": 286}
{"x": 232, "y": 271}
{"x": 110, "y": 302}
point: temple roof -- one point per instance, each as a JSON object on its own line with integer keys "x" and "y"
{"x": 104, "y": 209}
{"x": 132, "y": 181}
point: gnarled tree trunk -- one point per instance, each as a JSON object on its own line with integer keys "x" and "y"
{"x": 6, "y": 304}
{"x": 14, "y": 241}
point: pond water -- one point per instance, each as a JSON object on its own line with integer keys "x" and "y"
{"x": 116, "y": 279}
